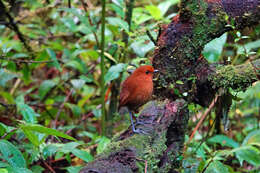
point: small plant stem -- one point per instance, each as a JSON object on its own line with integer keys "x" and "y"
{"x": 103, "y": 117}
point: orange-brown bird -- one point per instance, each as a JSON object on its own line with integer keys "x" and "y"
{"x": 136, "y": 90}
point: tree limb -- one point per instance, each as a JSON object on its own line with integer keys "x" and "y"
{"x": 184, "y": 73}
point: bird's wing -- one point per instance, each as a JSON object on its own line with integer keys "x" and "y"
{"x": 123, "y": 97}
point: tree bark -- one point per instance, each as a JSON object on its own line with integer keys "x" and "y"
{"x": 185, "y": 77}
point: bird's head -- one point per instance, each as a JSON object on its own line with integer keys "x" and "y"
{"x": 146, "y": 70}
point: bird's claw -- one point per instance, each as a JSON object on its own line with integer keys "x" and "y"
{"x": 139, "y": 131}
{"x": 143, "y": 123}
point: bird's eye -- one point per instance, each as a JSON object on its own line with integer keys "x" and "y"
{"x": 147, "y": 72}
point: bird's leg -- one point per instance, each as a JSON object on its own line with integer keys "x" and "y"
{"x": 150, "y": 121}
{"x": 133, "y": 126}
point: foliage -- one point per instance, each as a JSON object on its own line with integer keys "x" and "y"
{"x": 50, "y": 96}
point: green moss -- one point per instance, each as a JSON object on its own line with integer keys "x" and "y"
{"x": 236, "y": 77}
{"x": 147, "y": 148}
{"x": 202, "y": 25}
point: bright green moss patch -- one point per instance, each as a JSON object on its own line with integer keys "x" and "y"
{"x": 236, "y": 77}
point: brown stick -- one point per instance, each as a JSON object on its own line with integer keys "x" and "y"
{"x": 90, "y": 22}
{"x": 48, "y": 166}
{"x": 60, "y": 109}
{"x": 24, "y": 61}
{"x": 202, "y": 118}
{"x": 15, "y": 27}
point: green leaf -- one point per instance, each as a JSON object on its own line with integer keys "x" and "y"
{"x": 140, "y": 47}
{"x": 140, "y": 16}
{"x": 154, "y": 11}
{"x": 27, "y": 112}
{"x": 87, "y": 157}
{"x": 118, "y": 22}
{"x": 5, "y": 76}
{"x": 45, "y": 130}
{"x": 74, "y": 169}
{"x": 76, "y": 110}
{"x": 248, "y": 47}
{"x": 179, "y": 82}
{"x": 164, "y": 6}
{"x": 114, "y": 72}
{"x": 7, "y": 97}
{"x": 3, "y": 170}
{"x": 213, "y": 49}
{"x": 18, "y": 170}
{"x": 68, "y": 147}
{"x": 223, "y": 141}
{"x": 11, "y": 154}
{"x": 37, "y": 169}
{"x": 52, "y": 55}
{"x": 32, "y": 137}
{"x": 50, "y": 150}
{"x": 102, "y": 144}
{"x": 91, "y": 54}
{"x": 252, "y": 137}
{"x": 80, "y": 14}
{"x": 2, "y": 129}
{"x": 45, "y": 87}
{"x": 20, "y": 55}
{"x": 217, "y": 167}
{"x": 87, "y": 79}
{"x": 250, "y": 154}
{"x": 76, "y": 65}
{"x": 190, "y": 165}
{"x": 118, "y": 9}
{"x": 69, "y": 22}
{"x": 78, "y": 83}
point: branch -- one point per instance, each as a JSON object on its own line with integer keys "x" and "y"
{"x": 158, "y": 148}
{"x": 181, "y": 43}
{"x": 238, "y": 77}
{"x": 61, "y": 107}
{"x": 15, "y": 27}
{"x": 24, "y": 61}
{"x": 151, "y": 37}
{"x": 210, "y": 79}
{"x": 178, "y": 58}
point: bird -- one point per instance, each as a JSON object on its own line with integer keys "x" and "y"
{"x": 137, "y": 90}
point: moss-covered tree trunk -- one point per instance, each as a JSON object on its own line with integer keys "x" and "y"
{"x": 178, "y": 57}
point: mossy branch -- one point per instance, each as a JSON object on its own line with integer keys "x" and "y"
{"x": 128, "y": 152}
{"x": 180, "y": 45}
{"x": 238, "y": 77}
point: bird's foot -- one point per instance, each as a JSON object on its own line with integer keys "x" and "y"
{"x": 143, "y": 123}
{"x": 140, "y": 131}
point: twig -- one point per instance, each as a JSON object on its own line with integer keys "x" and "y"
{"x": 16, "y": 84}
{"x": 8, "y": 133}
{"x": 151, "y": 37}
{"x": 102, "y": 66}
{"x": 145, "y": 163}
{"x": 15, "y": 27}
{"x": 69, "y": 3}
{"x": 255, "y": 68}
{"x": 48, "y": 166}
{"x": 60, "y": 108}
{"x": 206, "y": 137}
{"x": 128, "y": 19}
{"x": 212, "y": 104}
{"x": 145, "y": 168}
{"x": 159, "y": 34}
{"x": 90, "y": 22}
{"x": 6, "y": 105}
{"x": 24, "y": 61}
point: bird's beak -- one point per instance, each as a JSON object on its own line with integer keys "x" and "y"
{"x": 155, "y": 71}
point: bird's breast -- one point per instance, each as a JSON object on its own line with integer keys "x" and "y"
{"x": 142, "y": 93}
